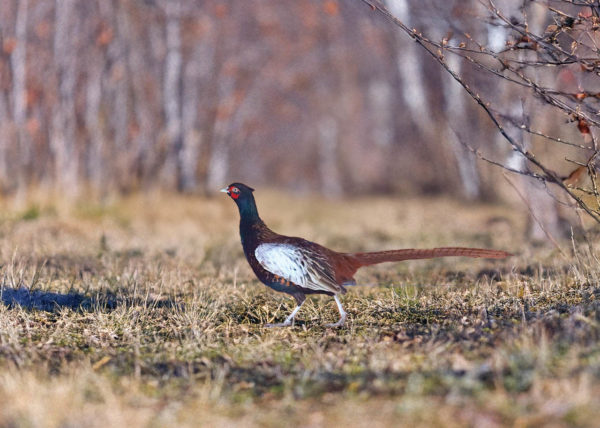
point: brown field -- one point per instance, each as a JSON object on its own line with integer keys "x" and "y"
{"x": 143, "y": 312}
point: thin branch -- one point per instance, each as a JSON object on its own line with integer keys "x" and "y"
{"x": 548, "y": 174}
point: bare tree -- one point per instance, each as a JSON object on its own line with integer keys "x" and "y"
{"x": 172, "y": 88}
{"x": 318, "y": 95}
{"x": 62, "y": 140}
{"x": 530, "y": 66}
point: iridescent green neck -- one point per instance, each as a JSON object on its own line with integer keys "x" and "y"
{"x": 248, "y": 210}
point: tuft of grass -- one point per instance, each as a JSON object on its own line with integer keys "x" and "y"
{"x": 31, "y": 213}
{"x": 145, "y": 313}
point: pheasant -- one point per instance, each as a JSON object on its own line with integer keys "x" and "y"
{"x": 299, "y": 267}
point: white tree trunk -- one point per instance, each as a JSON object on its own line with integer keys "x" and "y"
{"x": 19, "y": 72}
{"x": 172, "y": 89}
{"x": 544, "y": 217}
{"x": 62, "y": 139}
{"x": 95, "y": 161}
{"x": 410, "y": 69}
{"x": 18, "y": 62}
{"x": 456, "y": 114}
{"x": 5, "y": 125}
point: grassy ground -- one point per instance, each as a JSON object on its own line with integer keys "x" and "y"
{"x": 143, "y": 312}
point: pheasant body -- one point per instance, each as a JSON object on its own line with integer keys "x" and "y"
{"x": 299, "y": 267}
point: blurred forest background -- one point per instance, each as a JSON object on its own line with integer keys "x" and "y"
{"x": 99, "y": 96}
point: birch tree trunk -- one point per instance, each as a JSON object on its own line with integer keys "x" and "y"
{"x": 172, "y": 91}
{"x": 410, "y": 70}
{"x": 5, "y": 125}
{"x": 62, "y": 139}
{"x": 95, "y": 161}
{"x": 19, "y": 73}
{"x": 122, "y": 171}
{"x": 456, "y": 112}
{"x": 18, "y": 62}
{"x": 544, "y": 217}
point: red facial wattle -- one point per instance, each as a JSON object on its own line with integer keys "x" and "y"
{"x": 234, "y": 192}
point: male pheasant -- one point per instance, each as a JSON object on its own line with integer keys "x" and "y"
{"x": 299, "y": 267}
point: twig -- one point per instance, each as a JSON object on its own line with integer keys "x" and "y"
{"x": 548, "y": 175}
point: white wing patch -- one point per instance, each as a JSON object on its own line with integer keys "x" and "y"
{"x": 290, "y": 262}
{"x": 283, "y": 260}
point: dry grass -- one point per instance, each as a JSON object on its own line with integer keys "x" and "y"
{"x": 143, "y": 312}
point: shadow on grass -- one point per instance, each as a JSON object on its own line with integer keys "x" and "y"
{"x": 53, "y": 302}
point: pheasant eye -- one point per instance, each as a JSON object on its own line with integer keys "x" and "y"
{"x": 235, "y": 190}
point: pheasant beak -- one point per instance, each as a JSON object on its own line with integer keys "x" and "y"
{"x": 225, "y": 190}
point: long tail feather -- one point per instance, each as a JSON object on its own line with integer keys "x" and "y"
{"x": 366, "y": 259}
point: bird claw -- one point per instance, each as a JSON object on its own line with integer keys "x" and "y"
{"x": 343, "y": 315}
{"x": 279, "y": 324}
{"x": 338, "y": 324}
{"x": 335, "y": 324}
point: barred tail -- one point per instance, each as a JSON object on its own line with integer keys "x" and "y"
{"x": 366, "y": 259}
